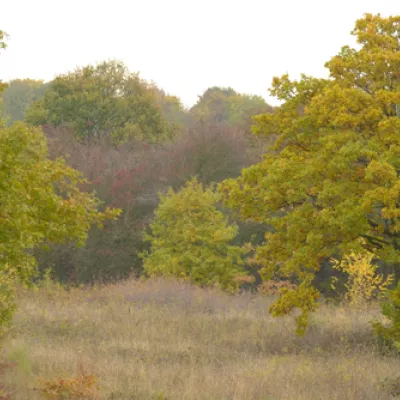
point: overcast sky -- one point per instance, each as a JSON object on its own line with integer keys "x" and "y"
{"x": 184, "y": 46}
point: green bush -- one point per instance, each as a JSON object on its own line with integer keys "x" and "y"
{"x": 190, "y": 239}
{"x": 389, "y": 335}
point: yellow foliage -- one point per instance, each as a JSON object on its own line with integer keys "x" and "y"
{"x": 41, "y": 202}
{"x": 331, "y": 177}
{"x": 190, "y": 238}
{"x": 364, "y": 283}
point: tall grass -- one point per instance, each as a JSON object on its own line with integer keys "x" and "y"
{"x": 167, "y": 340}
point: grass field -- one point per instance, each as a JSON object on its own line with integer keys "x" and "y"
{"x": 165, "y": 340}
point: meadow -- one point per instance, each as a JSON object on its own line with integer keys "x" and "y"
{"x": 160, "y": 339}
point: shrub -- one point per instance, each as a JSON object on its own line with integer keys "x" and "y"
{"x": 390, "y": 334}
{"x": 190, "y": 239}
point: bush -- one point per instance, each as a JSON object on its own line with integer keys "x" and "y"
{"x": 390, "y": 335}
{"x": 190, "y": 239}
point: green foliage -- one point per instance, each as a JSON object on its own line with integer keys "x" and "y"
{"x": 331, "y": 183}
{"x": 190, "y": 239}
{"x": 40, "y": 202}
{"x": 40, "y": 199}
{"x": 7, "y": 298}
{"x": 102, "y": 101}
{"x": 18, "y": 96}
{"x": 390, "y": 334}
{"x": 171, "y": 107}
{"x": 213, "y": 105}
{"x": 129, "y": 177}
{"x": 225, "y": 105}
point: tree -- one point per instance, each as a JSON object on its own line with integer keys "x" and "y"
{"x": 225, "y": 105}
{"x": 243, "y": 107}
{"x": 40, "y": 203}
{"x": 331, "y": 184}
{"x": 171, "y": 107}
{"x": 102, "y": 101}
{"x": 18, "y": 96}
{"x": 212, "y": 106}
{"x": 190, "y": 239}
{"x": 40, "y": 199}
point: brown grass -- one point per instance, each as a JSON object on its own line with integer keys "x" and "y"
{"x": 168, "y": 340}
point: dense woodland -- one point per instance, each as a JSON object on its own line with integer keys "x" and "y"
{"x": 130, "y": 147}
{"x": 105, "y": 177}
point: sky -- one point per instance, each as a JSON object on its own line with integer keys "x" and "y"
{"x": 184, "y": 46}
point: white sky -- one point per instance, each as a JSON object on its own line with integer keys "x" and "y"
{"x": 184, "y": 46}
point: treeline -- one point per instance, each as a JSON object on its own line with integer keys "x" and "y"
{"x": 118, "y": 101}
{"x": 131, "y": 140}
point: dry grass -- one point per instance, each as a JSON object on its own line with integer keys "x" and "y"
{"x": 164, "y": 340}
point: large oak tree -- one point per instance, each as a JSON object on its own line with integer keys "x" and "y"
{"x": 331, "y": 184}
